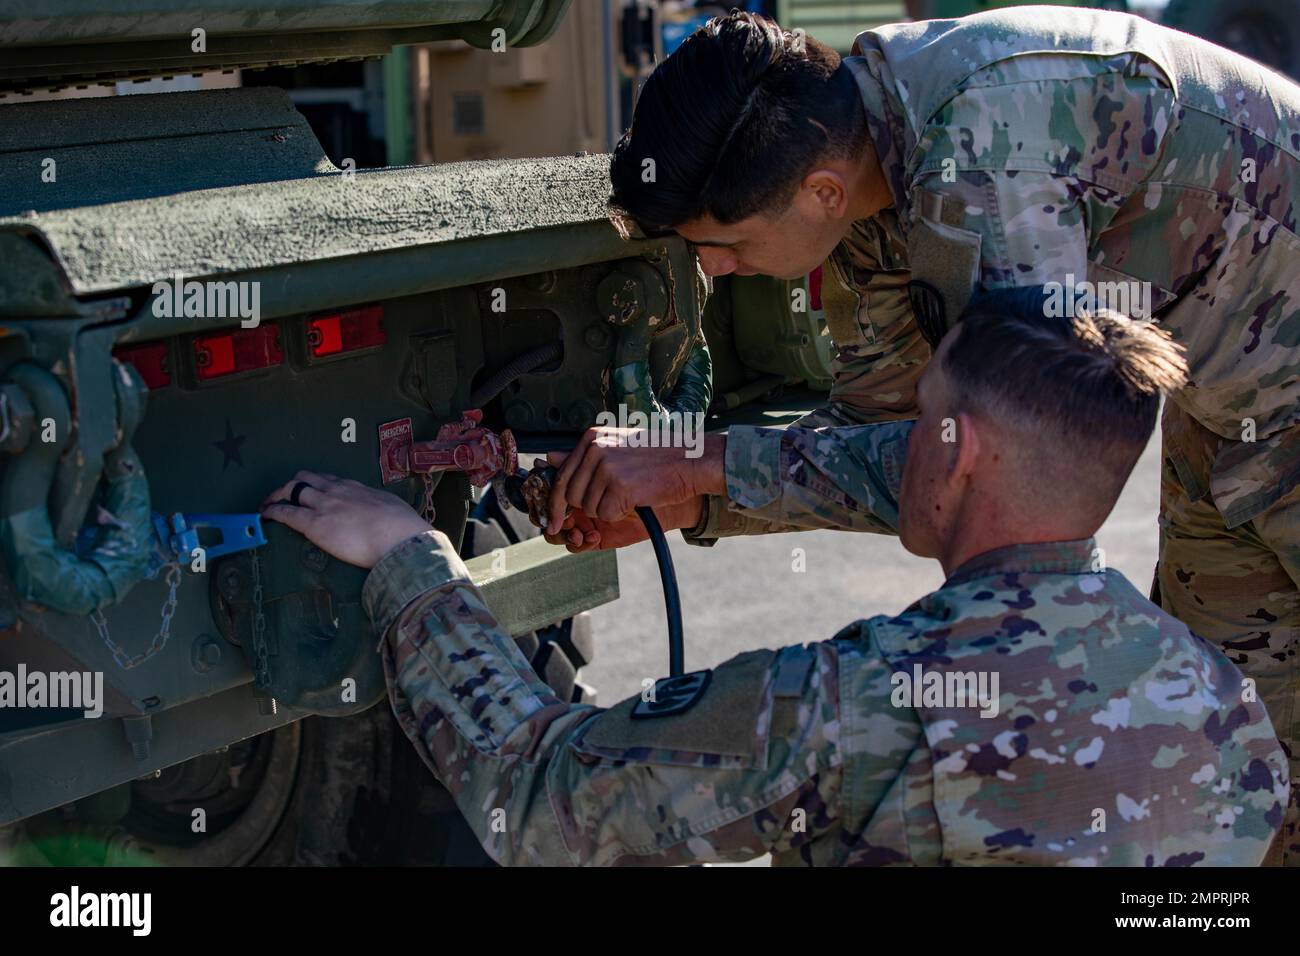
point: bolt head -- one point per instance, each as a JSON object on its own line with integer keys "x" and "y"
{"x": 597, "y": 336}
{"x": 231, "y": 582}
{"x": 205, "y": 654}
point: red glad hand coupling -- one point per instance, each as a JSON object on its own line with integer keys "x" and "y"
{"x": 460, "y": 446}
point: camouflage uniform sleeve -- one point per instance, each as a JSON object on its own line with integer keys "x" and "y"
{"x": 752, "y": 767}
{"x": 719, "y": 521}
{"x": 794, "y": 479}
{"x": 879, "y": 352}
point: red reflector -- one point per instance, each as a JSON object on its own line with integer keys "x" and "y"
{"x": 239, "y": 351}
{"x": 815, "y": 289}
{"x": 149, "y": 360}
{"x": 346, "y": 331}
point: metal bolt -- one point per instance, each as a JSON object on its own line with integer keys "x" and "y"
{"x": 231, "y": 583}
{"x": 543, "y": 282}
{"x": 597, "y": 336}
{"x": 519, "y": 415}
{"x": 580, "y": 414}
{"x": 205, "y": 654}
{"x": 139, "y": 733}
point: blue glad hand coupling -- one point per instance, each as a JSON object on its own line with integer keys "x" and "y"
{"x": 180, "y": 538}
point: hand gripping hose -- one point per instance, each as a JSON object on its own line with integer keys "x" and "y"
{"x": 542, "y": 479}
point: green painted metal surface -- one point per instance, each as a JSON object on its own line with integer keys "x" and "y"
{"x": 533, "y": 583}
{"x": 82, "y": 756}
{"x": 781, "y": 335}
{"x": 69, "y": 42}
{"x": 68, "y": 154}
{"x": 258, "y": 226}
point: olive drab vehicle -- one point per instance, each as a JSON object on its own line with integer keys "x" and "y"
{"x": 195, "y": 303}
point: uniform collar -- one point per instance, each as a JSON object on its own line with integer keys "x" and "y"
{"x": 1051, "y": 557}
{"x": 885, "y": 123}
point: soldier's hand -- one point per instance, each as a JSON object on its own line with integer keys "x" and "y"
{"x": 605, "y": 478}
{"x": 580, "y": 533}
{"x": 351, "y": 521}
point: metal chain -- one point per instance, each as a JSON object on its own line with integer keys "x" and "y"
{"x": 125, "y": 660}
{"x": 260, "y": 649}
{"x": 426, "y": 503}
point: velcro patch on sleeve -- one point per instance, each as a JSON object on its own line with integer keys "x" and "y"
{"x": 718, "y": 714}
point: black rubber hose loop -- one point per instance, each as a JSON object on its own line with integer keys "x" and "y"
{"x": 672, "y": 600}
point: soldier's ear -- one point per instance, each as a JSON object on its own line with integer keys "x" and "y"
{"x": 964, "y": 453}
{"x": 828, "y": 190}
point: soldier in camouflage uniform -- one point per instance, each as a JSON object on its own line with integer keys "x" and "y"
{"x": 1026, "y": 146}
{"x": 1055, "y": 716}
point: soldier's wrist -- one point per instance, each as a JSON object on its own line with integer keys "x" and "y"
{"x": 709, "y": 471}
{"x": 413, "y": 567}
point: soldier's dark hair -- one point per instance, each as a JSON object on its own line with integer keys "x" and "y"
{"x": 1086, "y": 386}
{"x": 732, "y": 121}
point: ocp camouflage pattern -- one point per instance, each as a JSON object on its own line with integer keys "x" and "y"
{"x": 1066, "y": 142}
{"x": 839, "y": 435}
{"x": 1119, "y": 738}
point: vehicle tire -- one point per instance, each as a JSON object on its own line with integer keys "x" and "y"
{"x": 558, "y": 652}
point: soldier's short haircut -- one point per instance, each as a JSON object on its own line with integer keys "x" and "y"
{"x": 1089, "y": 384}
{"x": 730, "y": 123}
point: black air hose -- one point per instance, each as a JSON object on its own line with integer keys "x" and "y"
{"x": 672, "y": 600}
{"x": 528, "y": 362}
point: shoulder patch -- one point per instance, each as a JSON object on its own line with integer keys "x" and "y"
{"x": 945, "y": 264}
{"x": 927, "y": 305}
{"x": 672, "y": 695}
